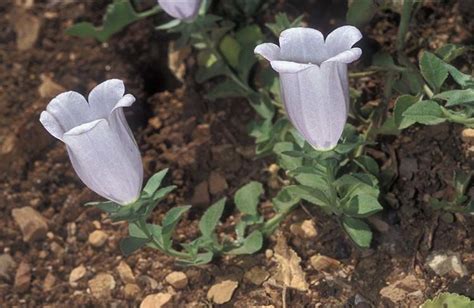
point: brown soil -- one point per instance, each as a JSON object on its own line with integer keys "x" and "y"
{"x": 177, "y": 128}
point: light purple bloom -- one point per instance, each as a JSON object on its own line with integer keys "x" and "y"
{"x": 313, "y": 80}
{"x": 181, "y": 9}
{"x": 98, "y": 139}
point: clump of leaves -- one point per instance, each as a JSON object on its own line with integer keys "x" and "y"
{"x": 119, "y": 14}
{"x": 448, "y": 300}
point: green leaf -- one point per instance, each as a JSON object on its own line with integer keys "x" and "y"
{"x": 362, "y": 205}
{"x": 358, "y": 230}
{"x": 162, "y": 192}
{"x": 218, "y": 68}
{"x": 119, "y": 14}
{"x": 230, "y": 49}
{"x": 285, "y": 200}
{"x": 169, "y": 25}
{"x": 461, "y": 79}
{"x": 247, "y": 198}
{"x": 385, "y": 60}
{"x": 262, "y": 104}
{"x": 433, "y": 70}
{"x": 169, "y": 222}
{"x": 282, "y": 23}
{"x": 211, "y": 217}
{"x": 360, "y": 12}
{"x": 249, "y": 35}
{"x": 461, "y": 181}
{"x": 107, "y": 206}
{"x": 456, "y": 97}
{"x": 423, "y": 112}
{"x": 225, "y": 89}
{"x": 285, "y": 161}
{"x": 448, "y": 300}
{"x": 368, "y": 164}
{"x": 449, "y": 52}
{"x": 200, "y": 259}
{"x": 135, "y": 231}
{"x": 251, "y": 244}
{"x": 402, "y": 103}
{"x": 129, "y": 245}
{"x": 312, "y": 195}
{"x": 154, "y": 182}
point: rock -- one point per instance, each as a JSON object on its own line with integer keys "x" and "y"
{"x": 323, "y": 263}
{"x": 125, "y": 272}
{"x": 178, "y": 280}
{"x": 399, "y": 291}
{"x": 76, "y": 274}
{"x": 256, "y": 275}
{"x": 22, "y": 277}
{"x": 131, "y": 291}
{"x": 27, "y": 28}
{"x": 378, "y": 224}
{"x": 156, "y": 300}
{"x": 49, "y": 282}
{"x": 48, "y": 88}
{"x": 468, "y": 135}
{"x": 7, "y": 265}
{"x": 147, "y": 282}
{"x": 217, "y": 183}
{"x": 32, "y": 224}
{"x": 442, "y": 263}
{"x": 222, "y": 292}
{"x": 102, "y": 285}
{"x": 201, "y": 194}
{"x": 98, "y": 238}
{"x": 305, "y": 229}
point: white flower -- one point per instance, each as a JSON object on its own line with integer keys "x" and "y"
{"x": 99, "y": 141}
{"x": 313, "y": 80}
{"x": 181, "y": 9}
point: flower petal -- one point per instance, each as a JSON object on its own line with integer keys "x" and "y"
{"x": 303, "y": 45}
{"x": 52, "y": 125}
{"x": 107, "y": 160}
{"x": 105, "y": 96}
{"x": 269, "y": 51}
{"x": 181, "y": 9}
{"x": 70, "y": 109}
{"x": 126, "y": 101}
{"x": 341, "y": 39}
{"x": 347, "y": 56}
{"x": 316, "y": 103}
{"x": 290, "y": 67}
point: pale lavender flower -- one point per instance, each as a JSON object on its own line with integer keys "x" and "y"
{"x": 313, "y": 79}
{"x": 181, "y": 9}
{"x": 98, "y": 139}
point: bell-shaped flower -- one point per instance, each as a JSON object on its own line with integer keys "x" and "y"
{"x": 186, "y": 10}
{"x": 98, "y": 139}
{"x": 313, "y": 80}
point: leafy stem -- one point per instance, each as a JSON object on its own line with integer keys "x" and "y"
{"x": 142, "y": 225}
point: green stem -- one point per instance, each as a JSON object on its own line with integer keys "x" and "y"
{"x": 141, "y": 223}
{"x": 155, "y": 10}
{"x": 428, "y": 91}
{"x": 458, "y": 118}
{"x": 404, "y": 23}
